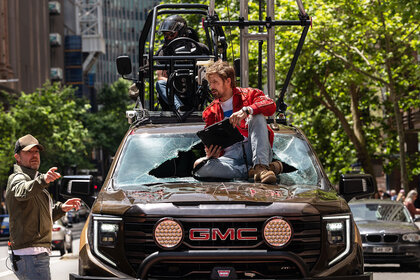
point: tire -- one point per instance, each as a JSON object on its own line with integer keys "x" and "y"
{"x": 62, "y": 251}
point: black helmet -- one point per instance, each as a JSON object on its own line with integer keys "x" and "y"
{"x": 174, "y": 23}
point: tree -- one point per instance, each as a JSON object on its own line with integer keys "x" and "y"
{"x": 357, "y": 49}
{"x": 52, "y": 116}
{"x": 356, "y": 74}
{"x": 108, "y": 126}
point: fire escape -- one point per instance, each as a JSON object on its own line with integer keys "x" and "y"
{"x": 89, "y": 26}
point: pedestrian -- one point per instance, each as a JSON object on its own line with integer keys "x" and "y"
{"x": 246, "y": 109}
{"x": 383, "y": 194}
{"x": 409, "y": 203}
{"x": 32, "y": 212}
{"x": 401, "y": 195}
{"x": 393, "y": 194}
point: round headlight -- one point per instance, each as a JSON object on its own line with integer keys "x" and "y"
{"x": 168, "y": 233}
{"x": 411, "y": 237}
{"x": 277, "y": 232}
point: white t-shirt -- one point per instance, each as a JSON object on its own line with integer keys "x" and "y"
{"x": 227, "y": 107}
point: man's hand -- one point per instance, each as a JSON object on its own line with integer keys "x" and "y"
{"x": 236, "y": 118}
{"x": 51, "y": 175}
{"x": 70, "y": 204}
{"x": 213, "y": 151}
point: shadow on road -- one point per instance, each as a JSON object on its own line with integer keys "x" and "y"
{"x": 390, "y": 268}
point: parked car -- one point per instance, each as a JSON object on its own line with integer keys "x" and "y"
{"x": 4, "y": 225}
{"x": 62, "y": 237}
{"x": 389, "y": 234}
{"x": 72, "y": 217}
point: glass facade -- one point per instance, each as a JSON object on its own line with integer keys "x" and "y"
{"x": 123, "y": 22}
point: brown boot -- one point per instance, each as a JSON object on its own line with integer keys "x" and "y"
{"x": 276, "y": 167}
{"x": 263, "y": 174}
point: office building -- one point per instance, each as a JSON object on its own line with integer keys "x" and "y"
{"x": 123, "y": 21}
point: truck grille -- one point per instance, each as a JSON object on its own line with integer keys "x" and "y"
{"x": 306, "y": 243}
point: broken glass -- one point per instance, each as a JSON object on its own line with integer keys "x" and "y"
{"x": 143, "y": 153}
{"x": 149, "y": 159}
{"x": 295, "y": 152}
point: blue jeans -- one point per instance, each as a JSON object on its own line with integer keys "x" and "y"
{"x": 161, "y": 89}
{"x": 232, "y": 164}
{"x": 31, "y": 267}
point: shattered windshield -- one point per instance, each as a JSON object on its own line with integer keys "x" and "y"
{"x": 380, "y": 212}
{"x": 150, "y": 159}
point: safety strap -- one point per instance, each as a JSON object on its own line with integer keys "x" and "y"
{"x": 245, "y": 158}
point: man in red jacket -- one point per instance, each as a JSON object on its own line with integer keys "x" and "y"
{"x": 246, "y": 109}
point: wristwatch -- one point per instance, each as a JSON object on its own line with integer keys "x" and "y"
{"x": 246, "y": 110}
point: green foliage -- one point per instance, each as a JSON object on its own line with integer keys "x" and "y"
{"x": 356, "y": 48}
{"x": 348, "y": 47}
{"x": 52, "y": 116}
{"x": 108, "y": 126}
{"x": 63, "y": 125}
{"x": 7, "y": 144}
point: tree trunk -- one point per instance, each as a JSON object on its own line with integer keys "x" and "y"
{"x": 401, "y": 140}
{"x": 355, "y": 134}
{"x": 394, "y": 96}
{"x": 362, "y": 151}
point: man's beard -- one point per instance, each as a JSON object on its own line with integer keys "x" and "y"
{"x": 216, "y": 94}
{"x": 34, "y": 165}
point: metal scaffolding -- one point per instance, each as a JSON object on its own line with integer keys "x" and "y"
{"x": 89, "y": 26}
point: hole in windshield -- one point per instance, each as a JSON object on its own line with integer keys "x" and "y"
{"x": 163, "y": 158}
{"x": 181, "y": 165}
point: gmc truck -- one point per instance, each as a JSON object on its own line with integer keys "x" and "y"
{"x": 153, "y": 219}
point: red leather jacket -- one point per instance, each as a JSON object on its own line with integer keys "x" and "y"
{"x": 254, "y": 98}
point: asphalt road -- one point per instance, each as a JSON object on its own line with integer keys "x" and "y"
{"x": 61, "y": 266}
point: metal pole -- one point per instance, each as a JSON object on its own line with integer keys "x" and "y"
{"x": 244, "y": 45}
{"x": 271, "y": 64}
{"x": 211, "y": 7}
{"x": 260, "y": 44}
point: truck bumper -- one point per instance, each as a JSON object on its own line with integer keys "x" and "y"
{"x": 366, "y": 276}
{"x": 219, "y": 256}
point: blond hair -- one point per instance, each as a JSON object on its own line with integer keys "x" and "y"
{"x": 223, "y": 70}
{"x": 410, "y": 195}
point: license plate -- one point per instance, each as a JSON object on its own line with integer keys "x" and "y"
{"x": 382, "y": 249}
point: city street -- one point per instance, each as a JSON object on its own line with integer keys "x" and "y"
{"x": 62, "y": 266}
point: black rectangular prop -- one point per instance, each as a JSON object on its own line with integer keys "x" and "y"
{"x": 221, "y": 134}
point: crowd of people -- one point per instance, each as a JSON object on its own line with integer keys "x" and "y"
{"x": 408, "y": 199}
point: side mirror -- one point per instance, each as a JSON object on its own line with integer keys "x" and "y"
{"x": 80, "y": 186}
{"x": 356, "y": 185}
{"x": 124, "y": 65}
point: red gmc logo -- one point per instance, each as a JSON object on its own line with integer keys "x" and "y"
{"x": 215, "y": 233}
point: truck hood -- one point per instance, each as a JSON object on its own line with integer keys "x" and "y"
{"x": 384, "y": 227}
{"x": 118, "y": 202}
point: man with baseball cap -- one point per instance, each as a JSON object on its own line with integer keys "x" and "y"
{"x": 31, "y": 211}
